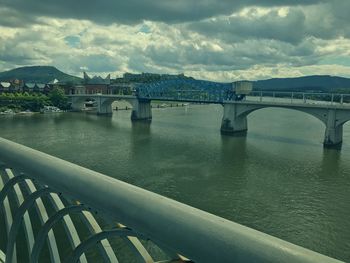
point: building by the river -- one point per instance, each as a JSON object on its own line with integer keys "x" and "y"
{"x": 97, "y": 84}
{"x": 16, "y": 85}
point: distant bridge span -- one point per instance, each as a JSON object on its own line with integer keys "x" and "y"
{"x": 332, "y": 109}
{"x": 332, "y": 115}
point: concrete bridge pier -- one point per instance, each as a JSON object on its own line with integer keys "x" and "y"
{"x": 334, "y": 131}
{"x": 104, "y": 106}
{"x": 141, "y": 110}
{"x": 232, "y": 121}
{"x": 77, "y": 104}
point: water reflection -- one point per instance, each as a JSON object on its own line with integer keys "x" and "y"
{"x": 141, "y": 127}
{"x": 331, "y": 161}
{"x": 277, "y": 179}
{"x": 233, "y": 153}
{"x": 140, "y": 141}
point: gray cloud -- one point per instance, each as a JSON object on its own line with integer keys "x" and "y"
{"x": 15, "y": 18}
{"x": 20, "y": 50}
{"x": 95, "y": 63}
{"x": 42, "y": 48}
{"x": 204, "y": 38}
{"x": 290, "y": 28}
{"x": 135, "y": 11}
{"x": 329, "y": 20}
{"x": 234, "y": 57}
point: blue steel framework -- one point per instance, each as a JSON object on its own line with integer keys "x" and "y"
{"x": 188, "y": 90}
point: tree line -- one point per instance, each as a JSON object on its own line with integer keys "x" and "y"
{"x": 33, "y": 101}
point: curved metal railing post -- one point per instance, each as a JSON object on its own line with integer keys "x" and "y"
{"x": 91, "y": 241}
{"x": 19, "y": 197}
{"x": 40, "y": 238}
{"x": 29, "y": 201}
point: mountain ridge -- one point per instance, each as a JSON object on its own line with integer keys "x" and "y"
{"x": 38, "y": 74}
{"x": 318, "y": 83}
{"x": 322, "y": 83}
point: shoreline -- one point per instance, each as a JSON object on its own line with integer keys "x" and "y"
{"x": 11, "y": 112}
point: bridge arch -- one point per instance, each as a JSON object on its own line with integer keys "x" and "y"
{"x": 141, "y": 108}
{"x": 343, "y": 119}
{"x": 105, "y": 103}
{"x": 78, "y": 103}
{"x": 320, "y": 115}
{"x": 235, "y": 118}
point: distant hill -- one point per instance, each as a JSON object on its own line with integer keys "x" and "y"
{"x": 323, "y": 83}
{"x": 38, "y": 74}
{"x": 317, "y": 83}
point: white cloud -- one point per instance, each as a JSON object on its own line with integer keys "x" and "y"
{"x": 248, "y": 42}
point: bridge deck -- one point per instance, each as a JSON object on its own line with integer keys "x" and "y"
{"x": 283, "y": 99}
{"x": 283, "y": 102}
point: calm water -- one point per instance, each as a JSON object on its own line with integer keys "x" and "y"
{"x": 277, "y": 179}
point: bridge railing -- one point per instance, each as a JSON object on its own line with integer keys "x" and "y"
{"x": 184, "y": 95}
{"x": 219, "y": 95}
{"x": 175, "y": 227}
{"x": 300, "y": 97}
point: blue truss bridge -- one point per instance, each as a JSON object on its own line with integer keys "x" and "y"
{"x": 185, "y": 90}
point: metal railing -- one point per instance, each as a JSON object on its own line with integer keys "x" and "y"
{"x": 175, "y": 227}
{"x": 219, "y": 96}
{"x": 335, "y": 99}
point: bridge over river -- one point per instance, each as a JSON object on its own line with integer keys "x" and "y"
{"x": 331, "y": 109}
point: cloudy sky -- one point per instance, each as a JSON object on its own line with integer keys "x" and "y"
{"x": 221, "y": 40}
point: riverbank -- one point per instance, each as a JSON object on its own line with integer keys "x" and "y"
{"x": 120, "y": 106}
{"x": 158, "y": 104}
{"x": 12, "y": 112}
{"x": 12, "y": 103}
{"x": 46, "y": 109}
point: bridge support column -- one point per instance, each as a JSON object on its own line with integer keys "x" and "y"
{"x": 103, "y": 108}
{"x": 77, "y": 104}
{"x": 141, "y": 110}
{"x": 334, "y": 133}
{"x": 232, "y": 122}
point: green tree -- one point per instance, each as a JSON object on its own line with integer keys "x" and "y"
{"x": 58, "y": 98}
{"x": 23, "y": 101}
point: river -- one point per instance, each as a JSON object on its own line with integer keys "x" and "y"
{"x": 278, "y": 179}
